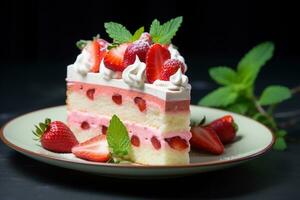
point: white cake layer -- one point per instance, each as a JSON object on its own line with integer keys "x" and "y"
{"x": 128, "y": 111}
{"x": 83, "y": 135}
{"x": 147, "y": 154}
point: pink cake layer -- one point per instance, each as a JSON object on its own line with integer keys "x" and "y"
{"x": 165, "y": 106}
{"x": 75, "y": 118}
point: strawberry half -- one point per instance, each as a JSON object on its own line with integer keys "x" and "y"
{"x": 114, "y": 58}
{"x": 94, "y": 149}
{"x": 206, "y": 139}
{"x": 98, "y": 49}
{"x": 225, "y": 127}
{"x": 170, "y": 67}
{"x": 155, "y": 59}
{"x": 55, "y": 136}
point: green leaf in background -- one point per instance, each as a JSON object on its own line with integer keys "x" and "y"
{"x": 280, "y": 144}
{"x": 274, "y": 94}
{"x": 223, "y": 75}
{"x": 137, "y": 34}
{"x": 117, "y": 138}
{"x": 118, "y": 32}
{"x": 220, "y": 97}
{"x": 240, "y": 107}
{"x": 251, "y": 63}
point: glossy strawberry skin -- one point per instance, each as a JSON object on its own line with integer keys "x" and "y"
{"x": 170, "y": 67}
{"x": 206, "y": 139}
{"x": 138, "y": 48}
{"x": 156, "y": 56}
{"x": 58, "y": 138}
{"x": 94, "y": 149}
{"x": 114, "y": 58}
{"x": 225, "y": 128}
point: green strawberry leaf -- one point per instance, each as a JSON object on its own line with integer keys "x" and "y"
{"x": 280, "y": 144}
{"x": 117, "y": 138}
{"x": 118, "y": 32}
{"x": 250, "y": 65}
{"x": 220, "y": 97}
{"x": 137, "y": 34}
{"x": 223, "y": 75}
{"x": 274, "y": 94}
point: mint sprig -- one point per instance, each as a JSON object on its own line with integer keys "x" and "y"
{"x": 118, "y": 139}
{"x": 237, "y": 91}
{"x": 164, "y": 33}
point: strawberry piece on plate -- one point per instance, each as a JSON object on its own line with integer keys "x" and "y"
{"x": 55, "y": 136}
{"x": 170, "y": 67}
{"x": 114, "y": 58}
{"x": 94, "y": 149}
{"x": 206, "y": 139}
{"x": 155, "y": 59}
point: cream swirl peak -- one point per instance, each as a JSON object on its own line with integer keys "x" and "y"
{"x": 134, "y": 74}
{"x": 83, "y": 62}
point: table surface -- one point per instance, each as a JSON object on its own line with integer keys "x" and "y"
{"x": 276, "y": 175}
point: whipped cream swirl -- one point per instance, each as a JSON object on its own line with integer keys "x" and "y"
{"x": 134, "y": 74}
{"x": 177, "y": 81}
{"x": 83, "y": 62}
{"x": 176, "y": 55}
{"x": 106, "y": 73}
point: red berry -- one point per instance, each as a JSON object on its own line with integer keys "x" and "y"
{"x": 94, "y": 149}
{"x": 146, "y": 37}
{"x": 205, "y": 138}
{"x": 156, "y": 143}
{"x": 117, "y": 98}
{"x": 177, "y": 143}
{"x": 56, "y": 136}
{"x": 104, "y": 130}
{"x": 135, "y": 141}
{"x": 85, "y": 125}
{"x": 98, "y": 50}
{"x": 155, "y": 59}
{"x": 141, "y": 103}
{"x": 225, "y": 128}
{"x": 138, "y": 48}
{"x": 90, "y": 93}
{"x": 170, "y": 67}
{"x": 114, "y": 58}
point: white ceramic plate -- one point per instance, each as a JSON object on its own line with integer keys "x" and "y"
{"x": 253, "y": 139}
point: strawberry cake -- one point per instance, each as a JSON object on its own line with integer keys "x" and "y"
{"x": 140, "y": 78}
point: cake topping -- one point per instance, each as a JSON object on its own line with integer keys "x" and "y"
{"x": 176, "y": 55}
{"x": 177, "y": 81}
{"x": 134, "y": 74}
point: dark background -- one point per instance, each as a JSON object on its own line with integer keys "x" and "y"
{"x": 38, "y": 42}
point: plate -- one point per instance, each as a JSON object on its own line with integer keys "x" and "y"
{"x": 253, "y": 139}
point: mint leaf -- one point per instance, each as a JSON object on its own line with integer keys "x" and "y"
{"x": 274, "y": 94}
{"x": 220, "y": 97}
{"x": 251, "y": 63}
{"x": 280, "y": 144}
{"x": 281, "y": 133}
{"x": 223, "y": 75}
{"x": 118, "y": 32}
{"x": 239, "y": 107}
{"x": 137, "y": 34}
{"x": 163, "y": 34}
{"x": 117, "y": 138}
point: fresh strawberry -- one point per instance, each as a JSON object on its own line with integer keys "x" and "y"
{"x": 55, "y": 136}
{"x": 225, "y": 127}
{"x": 98, "y": 48}
{"x": 146, "y": 37}
{"x": 114, "y": 58}
{"x": 138, "y": 48}
{"x": 170, "y": 67}
{"x": 177, "y": 143}
{"x": 155, "y": 59}
{"x": 206, "y": 139}
{"x": 94, "y": 149}
{"x": 141, "y": 103}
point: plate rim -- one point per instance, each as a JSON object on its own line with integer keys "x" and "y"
{"x": 137, "y": 166}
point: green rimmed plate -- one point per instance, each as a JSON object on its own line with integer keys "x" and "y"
{"x": 253, "y": 140}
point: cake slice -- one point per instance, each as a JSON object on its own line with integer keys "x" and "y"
{"x": 143, "y": 83}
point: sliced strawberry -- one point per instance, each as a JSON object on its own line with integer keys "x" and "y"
{"x": 114, "y": 58}
{"x": 135, "y": 141}
{"x": 90, "y": 93}
{"x": 117, "y": 98}
{"x": 141, "y": 103}
{"x": 225, "y": 127}
{"x": 177, "y": 143}
{"x": 170, "y": 67}
{"x": 94, "y": 149}
{"x": 156, "y": 143}
{"x": 97, "y": 48}
{"x": 206, "y": 139}
{"x": 155, "y": 59}
{"x": 138, "y": 48}
{"x": 85, "y": 125}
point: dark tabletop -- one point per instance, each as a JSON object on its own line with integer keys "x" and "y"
{"x": 275, "y": 175}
